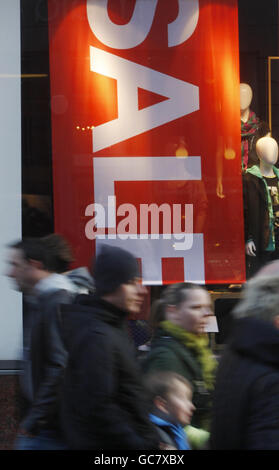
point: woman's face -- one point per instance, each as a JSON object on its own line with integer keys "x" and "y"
{"x": 192, "y": 313}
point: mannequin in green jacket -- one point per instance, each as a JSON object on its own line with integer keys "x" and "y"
{"x": 261, "y": 207}
{"x": 180, "y": 344}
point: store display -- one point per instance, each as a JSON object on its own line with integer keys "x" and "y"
{"x": 249, "y": 122}
{"x": 261, "y": 206}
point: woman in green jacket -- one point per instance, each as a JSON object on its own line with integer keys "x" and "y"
{"x": 181, "y": 345}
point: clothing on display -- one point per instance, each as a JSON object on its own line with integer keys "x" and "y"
{"x": 260, "y": 196}
{"x": 272, "y": 184}
{"x": 248, "y": 131}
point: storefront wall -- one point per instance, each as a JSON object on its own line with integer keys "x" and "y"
{"x": 10, "y": 176}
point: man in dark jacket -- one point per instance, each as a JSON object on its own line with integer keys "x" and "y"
{"x": 33, "y": 263}
{"x": 246, "y": 401}
{"x": 103, "y": 403}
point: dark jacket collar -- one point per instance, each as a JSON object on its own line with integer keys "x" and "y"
{"x": 102, "y": 309}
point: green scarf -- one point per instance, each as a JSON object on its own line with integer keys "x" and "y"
{"x": 199, "y": 344}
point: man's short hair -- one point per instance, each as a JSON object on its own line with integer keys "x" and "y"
{"x": 161, "y": 383}
{"x": 52, "y": 251}
{"x": 59, "y": 254}
{"x": 31, "y": 248}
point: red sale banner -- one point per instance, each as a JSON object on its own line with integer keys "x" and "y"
{"x": 146, "y": 134}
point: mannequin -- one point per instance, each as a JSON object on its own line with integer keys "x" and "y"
{"x": 249, "y": 122}
{"x": 261, "y": 206}
{"x": 246, "y": 96}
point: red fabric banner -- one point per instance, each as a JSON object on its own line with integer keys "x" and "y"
{"x": 146, "y": 134}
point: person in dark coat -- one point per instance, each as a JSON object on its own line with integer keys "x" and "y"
{"x": 103, "y": 399}
{"x": 246, "y": 401}
{"x": 33, "y": 266}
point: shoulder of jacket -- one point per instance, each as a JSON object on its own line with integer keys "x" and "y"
{"x": 170, "y": 345}
{"x": 248, "y": 177}
{"x": 53, "y": 295}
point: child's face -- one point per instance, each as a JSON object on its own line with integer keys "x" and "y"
{"x": 179, "y": 403}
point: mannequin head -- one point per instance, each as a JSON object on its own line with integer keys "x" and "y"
{"x": 267, "y": 150}
{"x": 246, "y": 96}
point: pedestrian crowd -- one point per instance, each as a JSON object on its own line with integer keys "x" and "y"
{"x": 85, "y": 386}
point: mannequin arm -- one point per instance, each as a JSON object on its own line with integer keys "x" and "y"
{"x": 250, "y": 248}
{"x": 219, "y": 188}
{"x": 219, "y": 166}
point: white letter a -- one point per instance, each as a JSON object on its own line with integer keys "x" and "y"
{"x": 183, "y": 98}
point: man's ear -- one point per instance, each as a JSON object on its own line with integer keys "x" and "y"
{"x": 171, "y": 312}
{"x": 276, "y": 321}
{"x": 36, "y": 264}
{"x": 160, "y": 403}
